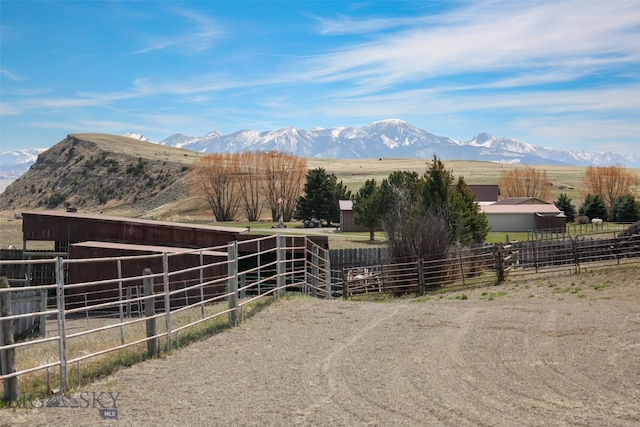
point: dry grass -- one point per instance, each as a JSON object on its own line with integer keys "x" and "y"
{"x": 352, "y": 172}
{"x": 119, "y": 333}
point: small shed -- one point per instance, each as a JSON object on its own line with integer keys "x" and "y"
{"x": 347, "y": 218}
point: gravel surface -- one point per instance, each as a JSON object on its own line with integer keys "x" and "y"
{"x": 547, "y": 351}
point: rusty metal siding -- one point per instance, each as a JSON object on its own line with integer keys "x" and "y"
{"x": 547, "y": 222}
{"x": 73, "y": 227}
{"x": 105, "y": 270}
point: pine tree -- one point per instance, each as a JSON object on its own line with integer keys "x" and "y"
{"x": 320, "y": 200}
{"x": 367, "y": 208}
{"x": 564, "y": 204}
{"x": 594, "y": 207}
{"x": 625, "y": 209}
{"x": 472, "y": 225}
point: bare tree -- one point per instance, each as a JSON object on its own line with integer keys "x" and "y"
{"x": 283, "y": 181}
{"x": 610, "y": 182}
{"x": 525, "y": 182}
{"x": 215, "y": 179}
{"x": 414, "y": 230}
{"x": 249, "y": 183}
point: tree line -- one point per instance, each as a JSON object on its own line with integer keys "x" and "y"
{"x": 611, "y": 192}
{"x": 250, "y": 182}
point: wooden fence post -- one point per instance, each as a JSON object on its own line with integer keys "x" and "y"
{"x": 232, "y": 283}
{"x": 149, "y": 311}
{"x": 8, "y": 356}
{"x": 499, "y": 264}
{"x": 345, "y": 285}
{"x": 421, "y": 280}
{"x": 576, "y": 256}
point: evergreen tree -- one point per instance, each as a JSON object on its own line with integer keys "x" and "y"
{"x": 472, "y": 225}
{"x": 338, "y": 192}
{"x": 367, "y": 209}
{"x": 594, "y": 207}
{"x": 625, "y": 209}
{"x": 437, "y": 181}
{"x": 564, "y": 204}
{"x": 320, "y": 200}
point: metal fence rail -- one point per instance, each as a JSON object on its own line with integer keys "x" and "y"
{"x": 137, "y": 316}
{"x": 484, "y": 265}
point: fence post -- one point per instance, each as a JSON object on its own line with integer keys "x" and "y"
{"x": 149, "y": 312}
{"x": 315, "y": 271}
{"x": 201, "y": 282}
{"x": 576, "y": 256}
{"x": 499, "y": 264}
{"x": 167, "y": 297}
{"x": 8, "y": 357}
{"x": 421, "y": 281}
{"x": 232, "y": 283}
{"x": 281, "y": 266}
{"x": 345, "y": 285}
{"x": 120, "y": 307}
{"x": 461, "y": 266}
{"x": 62, "y": 339}
{"x": 327, "y": 275}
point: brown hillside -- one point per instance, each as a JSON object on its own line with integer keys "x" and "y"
{"x": 98, "y": 171}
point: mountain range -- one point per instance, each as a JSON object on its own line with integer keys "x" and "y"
{"x": 392, "y": 138}
{"x": 381, "y": 139}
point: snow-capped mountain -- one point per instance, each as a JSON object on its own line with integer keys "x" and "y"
{"x": 392, "y": 138}
{"x": 384, "y": 138}
{"x": 137, "y": 136}
{"x": 14, "y": 163}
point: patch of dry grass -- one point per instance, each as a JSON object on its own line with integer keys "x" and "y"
{"x": 187, "y": 325}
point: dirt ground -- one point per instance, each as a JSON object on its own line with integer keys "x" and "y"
{"x": 561, "y": 350}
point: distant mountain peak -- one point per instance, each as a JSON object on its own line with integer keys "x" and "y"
{"x": 391, "y": 138}
{"x": 379, "y": 139}
{"x": 137, "y": 136}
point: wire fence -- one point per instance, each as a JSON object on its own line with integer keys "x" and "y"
{"x": 88, "y": 327}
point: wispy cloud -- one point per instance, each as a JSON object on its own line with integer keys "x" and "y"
{"x": 10, "y": 75}
{"x": 197, "y": 34}
{"x": 589, "y": 35}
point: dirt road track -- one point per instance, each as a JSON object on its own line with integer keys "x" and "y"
{"x": 547, "y": 352}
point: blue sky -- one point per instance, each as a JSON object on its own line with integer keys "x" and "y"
{"x": 562, "y": 74}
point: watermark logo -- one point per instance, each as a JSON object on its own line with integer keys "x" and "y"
{"x": 106, "y": 402}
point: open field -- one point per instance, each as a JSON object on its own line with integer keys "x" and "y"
{"x": 553, "y": 350}
{"x": 352, "y": 172}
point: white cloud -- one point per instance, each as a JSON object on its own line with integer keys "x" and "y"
{"x": 198, "y": 35}
{"x": 565, "y": 35}
{"x": 10, "y": 75}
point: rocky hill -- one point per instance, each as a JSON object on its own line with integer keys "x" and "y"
{"x": 98, "y": 171}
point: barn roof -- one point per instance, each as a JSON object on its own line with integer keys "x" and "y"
{"x": 521, "y": 201}
{"x": 345, "y": 205}
{"x": 519, "y": 209}
{"x": 136, "y": 221}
